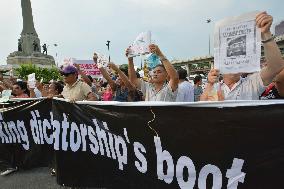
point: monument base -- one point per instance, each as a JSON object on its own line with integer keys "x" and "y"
{"x": 18, "y": 58}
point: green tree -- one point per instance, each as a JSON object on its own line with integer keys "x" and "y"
{"x": 45, "y": 74}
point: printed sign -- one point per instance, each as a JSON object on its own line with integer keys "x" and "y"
{"x": 88, "y": 67}
{"x": 237, "y": 45}
{"x": 141, "y": 44}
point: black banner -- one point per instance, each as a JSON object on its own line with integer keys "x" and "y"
{"x": 118, "y": 146}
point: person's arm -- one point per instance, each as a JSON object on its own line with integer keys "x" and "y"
{"x": 275, "y": 63}
{"x": 124, "y": 78}
{"x": 32, "y": 93}
{"x": 213, "y": 77}
{"x": 173, "y": 82}
{"x": 205, "y": 94}
{"x": 104, "y": 73}
{"x": 108, "y": 78}
{"x": 87, "y": 91}
{"x": 131, "y": 71}
{"x": 92, "y": 97}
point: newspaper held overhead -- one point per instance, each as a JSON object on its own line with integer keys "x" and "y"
{"x": 32, "y": 81}
{"x": 102, "y": 61}
{"x": 237, "y": 45}
{"x": 141, "y": 44}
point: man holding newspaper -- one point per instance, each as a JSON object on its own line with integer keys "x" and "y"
{"x": 233, "y": 86}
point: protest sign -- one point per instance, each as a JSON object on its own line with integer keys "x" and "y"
{"x": 237, "y": 45}
{"x": 118, "y": 146}
{"x": 88, "y": 67}
{"x": 141, "y": 44}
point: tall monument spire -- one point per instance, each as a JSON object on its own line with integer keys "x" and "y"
{"x": 28, "y": 23}
{"x": 29, "y": 48}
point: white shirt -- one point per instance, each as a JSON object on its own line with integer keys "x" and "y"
{"x": 249, "y": 88}
{"x": 165, "y": 94}
{"x": 185, "y": 92}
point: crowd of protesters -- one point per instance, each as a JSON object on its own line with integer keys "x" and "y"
{"x": 165, "y": 83}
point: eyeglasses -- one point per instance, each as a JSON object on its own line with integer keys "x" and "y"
{"x": 66, "y": 74}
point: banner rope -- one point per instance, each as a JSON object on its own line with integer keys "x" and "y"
{"x": 151, "y": 121}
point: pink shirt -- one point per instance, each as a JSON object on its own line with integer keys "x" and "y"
{"x": 24, "y": 95}
{"x": 107, "y": 96}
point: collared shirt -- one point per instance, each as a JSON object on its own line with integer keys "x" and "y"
{"x": 249, "y": 88}
{"x": 165, "y": 94}
{"x": 185, "y": 92}
{"x": 78, "y": 91}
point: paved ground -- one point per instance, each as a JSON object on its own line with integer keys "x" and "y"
{"x": 38, "y": 178}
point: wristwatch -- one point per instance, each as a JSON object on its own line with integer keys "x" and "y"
{"x": 269, "y": 39}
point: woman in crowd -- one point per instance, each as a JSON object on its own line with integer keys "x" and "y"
{"x": 107, "y": 94}
{"x": 20, "y": 90}
{"x": 122, "y": 89}
{"x": 197, "y": 87}
{"x": 55, "y": 89}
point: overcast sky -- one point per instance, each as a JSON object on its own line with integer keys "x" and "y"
{"x": 80, "y": 27}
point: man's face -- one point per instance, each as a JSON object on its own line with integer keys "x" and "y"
{"x": 232, "y": 77}
{"x": 108, "y": 88}
{"x": 159, "y": 75}
{"x": 279, "y": 83}
{"x": 69, "y": 78}
{"x": 51, "y": 89}
{"x": 199, "y": 82}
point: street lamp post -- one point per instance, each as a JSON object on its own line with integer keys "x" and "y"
{"x": 208, "y": 21}
{"x": 56, "y": 59}
{"x": 108, "y": 46}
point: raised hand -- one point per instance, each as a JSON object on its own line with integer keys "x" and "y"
{"x": 155, "y": 49}
{"x": 264, "y": 22}
{"x": 113, "y": 66}
{"x": 213, "y": 76}
{"x": 127, "y": 52}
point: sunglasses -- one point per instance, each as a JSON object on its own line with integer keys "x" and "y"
{"x": 66, "y": 74}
